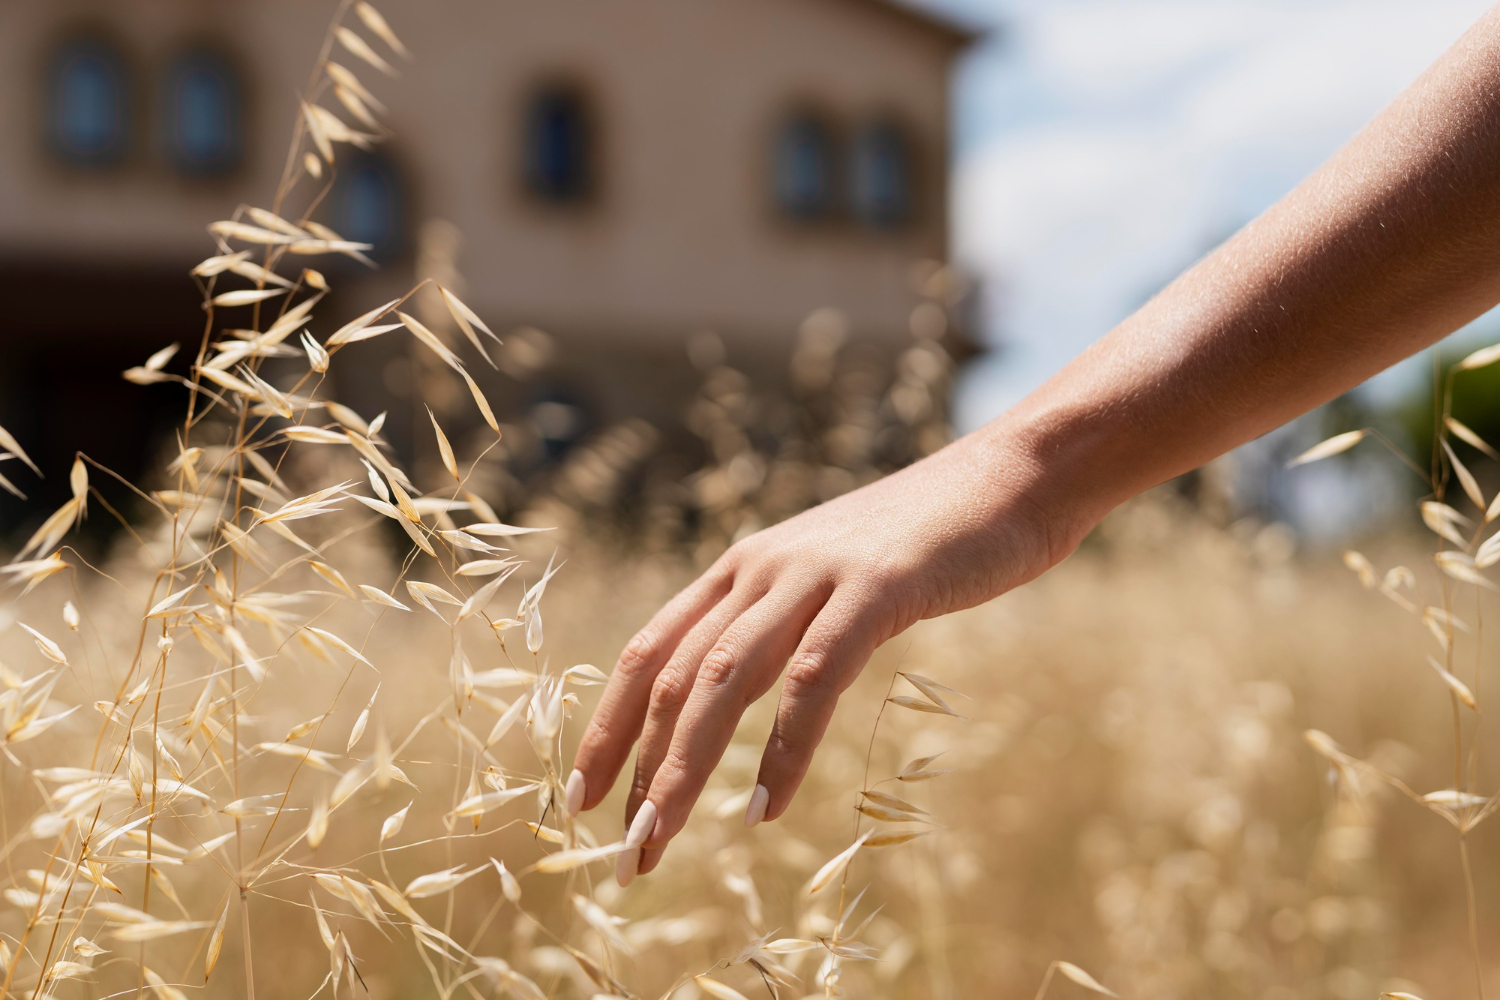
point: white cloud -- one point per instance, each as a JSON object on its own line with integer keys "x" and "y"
{"x": 1113, "y": 51}
{"x": 1112, "y": 142}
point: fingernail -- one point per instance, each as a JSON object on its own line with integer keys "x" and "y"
{"x": 573, "y": 794}
{"x": 640, "y": 830}
{"x": 625, "y": 866}
{"x": 756, "y": 810}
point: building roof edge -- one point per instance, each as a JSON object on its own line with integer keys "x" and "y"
{"x": 956, "y": 33}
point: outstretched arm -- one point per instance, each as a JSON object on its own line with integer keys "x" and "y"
{"x": 1392, "y": 244}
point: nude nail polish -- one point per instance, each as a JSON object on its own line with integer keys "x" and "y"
{"x": 756, "y": 810}
{"x": 640, "y": 829}
{"x": 625, "y": 866}
{"x": 573, "y": 794}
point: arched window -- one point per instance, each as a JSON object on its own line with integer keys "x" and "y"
{"x": 880, "y": 175}
{"x": 204, "y": 129}
{"x": 87, "y": 103}
{"x": 366, "y": 204}
{"x": 804, "y": 167}
{"x": 558, "y": 146}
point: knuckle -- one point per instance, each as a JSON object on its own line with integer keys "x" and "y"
{"x": 750, "y": 558}
{"x": 879, "y": 580}
{"x": 808, "y": 675}
{"x": 638, "y": 654}
{"x": 741, "y": 551}
{"x": 669, "y": 691}
{"x": 729, "y": 565}
{"x": 718, "y": 667}
{"x": 760, "y": 580}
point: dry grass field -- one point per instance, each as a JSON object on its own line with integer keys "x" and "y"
{"x": 1130, "y": 790}
{"x": 302, "y": 727}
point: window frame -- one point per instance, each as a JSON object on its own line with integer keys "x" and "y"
{"x": 831, "y": 203}
{"x": 585, "y": 188}
{"x": 76, "y": 42}
{"x": 204, "y": 54}
{"x": 868, "y": 131}
{"x": 398, "y": 243}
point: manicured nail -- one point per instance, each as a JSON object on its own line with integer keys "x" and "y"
{"x": 625, "y": 865}
{"x": 640, "y": 830}
{"x": 756, "y": 810}
{"x": 573, "y": 794}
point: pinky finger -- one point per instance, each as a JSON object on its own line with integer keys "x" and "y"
{"x": 835, "y": 648}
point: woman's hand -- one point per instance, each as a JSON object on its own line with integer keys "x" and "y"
{"x": 816, "y": 594}
{"x": 1388, "y": 247}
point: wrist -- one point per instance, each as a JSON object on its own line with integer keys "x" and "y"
{"x": 1050, "y": 470}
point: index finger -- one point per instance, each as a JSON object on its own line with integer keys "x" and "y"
{"x": 742, "y": 666}
{"x": 616, "y": 723}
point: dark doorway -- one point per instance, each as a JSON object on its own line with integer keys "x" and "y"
{"x": 70, "y": 330}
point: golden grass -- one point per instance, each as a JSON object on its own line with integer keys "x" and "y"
{"x": 262, "y": 749}
{"x": 1131, "y": 790}
{"x": 264, "y": 704}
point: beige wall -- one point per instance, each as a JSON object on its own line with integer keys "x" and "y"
{"x": 688, "y": 91}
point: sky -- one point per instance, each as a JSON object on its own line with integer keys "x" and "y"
{"x": 1102, "y": 146}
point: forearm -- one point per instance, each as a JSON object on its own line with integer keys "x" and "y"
{"x": 1391, "y": 245}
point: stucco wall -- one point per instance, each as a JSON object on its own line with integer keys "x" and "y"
{"x": 683, "y": 233}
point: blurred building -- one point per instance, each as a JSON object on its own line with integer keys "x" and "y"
{"x": 622, "y": 176}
